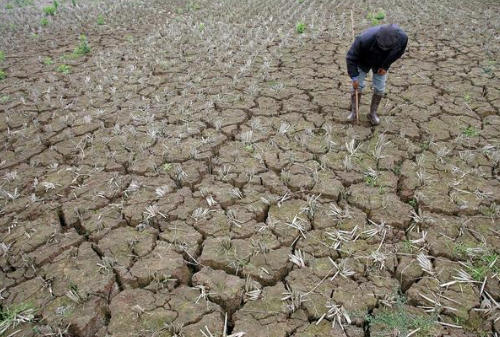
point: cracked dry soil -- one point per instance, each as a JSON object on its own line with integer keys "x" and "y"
{"x": 193, "y": 175}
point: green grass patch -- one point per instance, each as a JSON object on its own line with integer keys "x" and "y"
{"x": 3, "y": 75}
{"x": 370, "y": 181}
{"x": 460, "y": 250}
{"x": 167, "y": 167}
{"x": 63, "y": 69}
{"x": 83, "y": 47}
{"x": 49, "y": 10}
{"x": 44, "y": 22}
{"x": 100, "y": 20}
{"x": 47, "y": 61}
{"x": 300, "y": 28}
{"x": 478, "y": 273}
{"x": 492, "y": 211}
{"x": 493, "y": 262}
{"x": 380, "y": 15}
{"x": 482, "y": 266}
{"x": 470, "y": 131}
{"x": 406, "y": 246}
{"x": 4, "y": 99}
{"x": 398, "y": 318}
{"x": 13, "y": 316}
{"x": 376, "y": 18}
{"x": 193, "y": 6}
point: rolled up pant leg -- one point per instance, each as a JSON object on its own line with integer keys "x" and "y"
{"x": 379, "y": 83}
{"x": 361, "y": 80}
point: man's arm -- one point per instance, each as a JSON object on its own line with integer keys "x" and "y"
{"x": 395, "y": 54}
{"x": 353, "y": 58}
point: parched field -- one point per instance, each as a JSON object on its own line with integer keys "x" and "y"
{"x": 184, "y": 168}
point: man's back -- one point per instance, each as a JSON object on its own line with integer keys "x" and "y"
{"x": 366, "y": 53}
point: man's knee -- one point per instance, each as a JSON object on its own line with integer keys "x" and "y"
{"x": 379, "y": 86}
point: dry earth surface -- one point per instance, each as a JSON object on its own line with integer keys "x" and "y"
{"x": 192, "y": 173}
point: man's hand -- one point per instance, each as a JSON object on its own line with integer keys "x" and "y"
{"x": 381, "y": 71}
{"x": 355, "y": 83}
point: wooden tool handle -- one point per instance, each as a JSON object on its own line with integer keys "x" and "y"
{"x": 357, "y": 105}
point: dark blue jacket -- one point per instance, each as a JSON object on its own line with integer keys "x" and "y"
{"x": 366, "y": 54}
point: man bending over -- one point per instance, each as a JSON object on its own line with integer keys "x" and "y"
{"x": 376, "y": 48}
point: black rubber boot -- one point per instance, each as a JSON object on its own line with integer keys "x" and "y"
{"x": 373, "y": 117}
{"x": 352, "y": 116}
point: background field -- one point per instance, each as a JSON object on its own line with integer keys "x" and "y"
{"x": 184, "y": 168}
